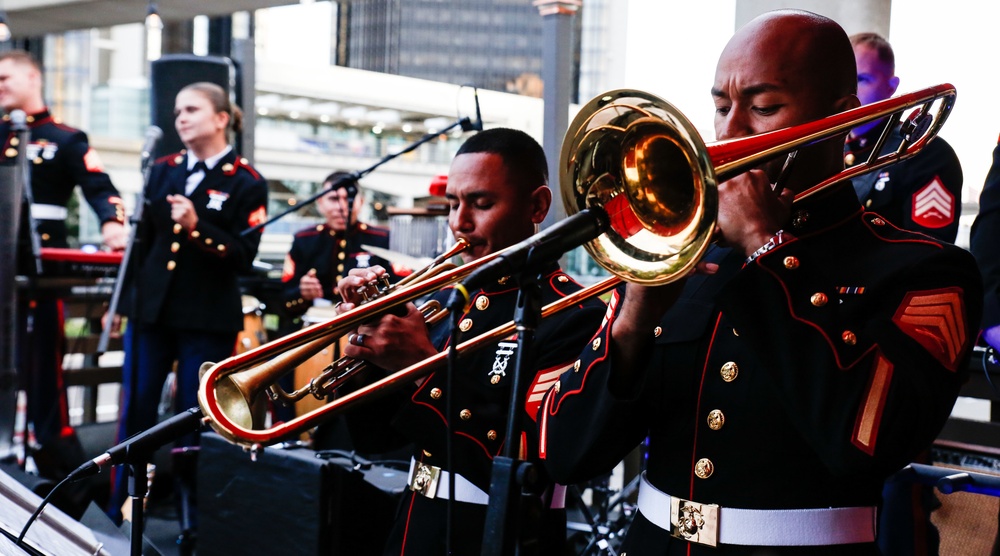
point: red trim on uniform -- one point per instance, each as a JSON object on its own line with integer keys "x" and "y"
{"x": 240, "y": 164}
{"x": 833, "y": 345}
{"x": 874, "y": 229}
{"x": 45, "y": 120}
{"x": 843, "y": 365}
{"x": 555, "y": 284}
{"x": 374, "y": 230}
{"x": 441, "y": 415}
{"x": 308, "y": 232}
{"x": 697, "y": 405}
{"x": 406, "y": 530}
{"x": 605, "y": 332}
{"x": 63, "y": 126}
{"x": 869, "y": 417}
{"x": 169, "y": 159}
{"x": 543, "y": 428}
{"x": 936, "y": 320}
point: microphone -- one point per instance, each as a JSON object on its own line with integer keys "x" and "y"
{"x": 478, "y": 124}
{"x": 349, "y": 184}
{"x": 153, "y": 136}
{"x": 18, "y": 120}
{"x": 143, "y": 443}
{"x": 536, "y": 250}
{"x": 479, "y": 117}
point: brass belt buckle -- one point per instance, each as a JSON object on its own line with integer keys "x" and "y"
{"x": 694, "y": 522}
{"x": 424, "y": 479}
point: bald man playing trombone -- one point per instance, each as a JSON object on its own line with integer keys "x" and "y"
{"x": 814, "y": 354}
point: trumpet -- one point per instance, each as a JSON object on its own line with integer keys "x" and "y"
{"x": 630, "y": 157}
{"x": 334, "y": 375}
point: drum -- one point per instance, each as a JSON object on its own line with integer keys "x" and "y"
{"x": 315, "y": 364}
{"x": 253, "y": 333}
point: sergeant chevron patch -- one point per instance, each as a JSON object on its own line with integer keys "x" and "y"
{"x": 933, "y": 205}
{"x": 543, "y": 381}
{"x": 936, "y": 320}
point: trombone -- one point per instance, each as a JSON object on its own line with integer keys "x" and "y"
{"x": 629, "y": 156}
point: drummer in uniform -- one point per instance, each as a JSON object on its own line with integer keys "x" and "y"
{"x": 324, "y": 254}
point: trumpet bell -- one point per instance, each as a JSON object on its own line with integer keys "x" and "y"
{"x": 640, "y": 160}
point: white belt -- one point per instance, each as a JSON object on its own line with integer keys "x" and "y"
{"x": 712, "y": 525}
{"x": 432, "y": 482}
{"x": 48, "y": 212}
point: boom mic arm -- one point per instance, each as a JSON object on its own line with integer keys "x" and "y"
{"x": 533, "y": 252}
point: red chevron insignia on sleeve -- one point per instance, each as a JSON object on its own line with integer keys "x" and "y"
{"x": 543, "y": 381}
{"x": 936, "y": 320}
{"x": 257, "y": 216}
{"x": 933, "y": 206}
{"x": 92, "y": 161}
{"x": 288, "y": 269}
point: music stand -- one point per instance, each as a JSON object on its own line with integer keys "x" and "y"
{"x": 53, "y": 534}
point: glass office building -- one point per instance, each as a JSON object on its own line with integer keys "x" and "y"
{"x": 493, "y": 44}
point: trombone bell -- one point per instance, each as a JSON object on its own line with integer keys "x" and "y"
{"x": 639, "y": 159}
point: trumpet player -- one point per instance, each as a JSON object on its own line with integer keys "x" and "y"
{"x": 497, "y": 195}
{"x": 324, "y": 254}
{"x": 817, "y": 351}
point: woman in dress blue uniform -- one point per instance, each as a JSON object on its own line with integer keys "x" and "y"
{"x": 813, "y": 356}
{"x": 186, "y": 305}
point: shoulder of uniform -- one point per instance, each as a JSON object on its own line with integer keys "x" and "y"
{"x": 70, "y": 130}
{"x": 173, "y": 159}
{"x": 562, "y": 282}
{"x": 887, "y": 231}
{"x": 46, "y": 118}
{"x": 240, "y": 164}
{"x": 373, "y": 230}
{"x": 311, "y": 231}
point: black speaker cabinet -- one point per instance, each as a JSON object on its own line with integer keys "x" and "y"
{"x": 290, "y": 502}
{"x": 173, "y": 72}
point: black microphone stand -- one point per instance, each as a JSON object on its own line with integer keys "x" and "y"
{"x": 465, "y": 123}
{"x": 145, "y": 165}
{"x": 17, "y": 183}
{"x": 23, "y": 172}
{"x": 512, "y": 477}
{"x": 136, "y": 460}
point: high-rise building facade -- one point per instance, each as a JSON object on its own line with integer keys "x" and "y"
{"x": 493, "y": 44}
